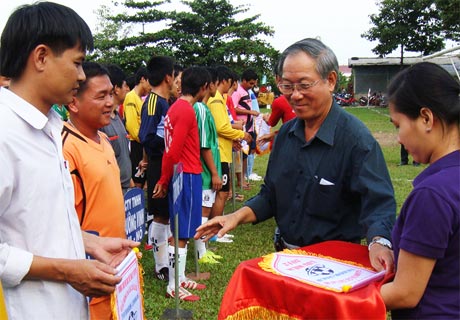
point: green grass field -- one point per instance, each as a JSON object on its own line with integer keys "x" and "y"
{"x": 256, "y": 240}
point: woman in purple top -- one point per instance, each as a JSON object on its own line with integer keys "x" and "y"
{"x": 425, "y": 108}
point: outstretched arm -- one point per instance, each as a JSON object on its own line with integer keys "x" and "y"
{"x": 222, "y": 224}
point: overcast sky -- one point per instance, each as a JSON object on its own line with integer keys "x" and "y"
{"x": 338, "y": 23}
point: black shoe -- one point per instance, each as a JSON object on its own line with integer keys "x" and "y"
{"x": 163, "y": 274}
{"x": 415, "y": 164}
{"x": 402, "y": 164}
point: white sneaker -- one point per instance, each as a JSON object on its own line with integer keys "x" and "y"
{"x": 255, "y": 177}
{"x": 224, "y": 240}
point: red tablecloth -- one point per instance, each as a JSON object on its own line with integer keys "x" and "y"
{"x": 253, "y": 293}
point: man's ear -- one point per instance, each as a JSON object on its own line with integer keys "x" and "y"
{"x": 40, "y": 56}
{"x": 73, "y": 106}
{"x": 332, "y": 80}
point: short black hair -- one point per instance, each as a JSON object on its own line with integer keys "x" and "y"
{"x": 193, "y": 79}
{"x": 131, "y": 81}
{"x": 117, "y": 76}
{"x": 178, "y": 69}
{"x": 213, "y": 72}
{"x": 224, "y": 73}
{"x": 234, "y": 77}
{"x": 142, "y": 72}
{"x": 92, "y": 70}
{"x": 249, "y": 74}
{"x": 48, "y": 23}
{"x": 159, "y": 67}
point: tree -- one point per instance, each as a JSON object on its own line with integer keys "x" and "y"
{"x": 206, "y": 34}
{"x": 122, "y": 38}
{"x": 210, "y": 34}
{"x": 449, "y": 11}
{"x": 412, "y": 25}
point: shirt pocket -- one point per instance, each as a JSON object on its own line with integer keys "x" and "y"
{"x": 324, "y": 201}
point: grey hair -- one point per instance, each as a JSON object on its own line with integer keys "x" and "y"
{"x": 326, "y": 60}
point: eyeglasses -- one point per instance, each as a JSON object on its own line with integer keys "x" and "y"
{"x": 288, "y": 88}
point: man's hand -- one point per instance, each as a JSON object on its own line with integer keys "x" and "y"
{"x": 216, "y": 182}
{"x": 92, "y": 278}
{"x": 263, "y": 139}
{"x": 236, "y": 145}
{"x": 381, "y": 257}
{"x": 159, "y": 191}
{"x": 247, "y": 137}
{"x": 143, "y": 164}
{"x": 218, "y": 225}
{"x": 111, "y": 251}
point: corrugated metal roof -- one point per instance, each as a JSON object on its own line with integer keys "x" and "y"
{"x": 354, "y": 62}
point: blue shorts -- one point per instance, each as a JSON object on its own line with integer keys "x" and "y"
{"x": 188, "y": 205}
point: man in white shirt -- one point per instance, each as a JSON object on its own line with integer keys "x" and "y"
{"x": 43, "y": 269}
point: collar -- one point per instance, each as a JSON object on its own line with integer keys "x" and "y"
{"x": 25, "y": 110}
{"x": 219, "y": 96}
{"x": 327, "y": 130}
{"x": 450, "y": 160}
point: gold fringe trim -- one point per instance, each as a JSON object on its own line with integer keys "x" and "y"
{"x": 113, "y": 296}
{"x": 267, "y": 261}
{"x": 258, "y": 312}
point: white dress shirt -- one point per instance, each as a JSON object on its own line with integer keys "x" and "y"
{"x": 37, "y": 215}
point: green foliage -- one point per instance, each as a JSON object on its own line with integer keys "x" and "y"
{"x": 253, "y": 241}
{"x": 213, "y": 36}
{"x": 449, "y": 11}
{"x": 206, "y": 34}
{"x": 342, "y": 82}
{"x": 117, "y": 41}
{"x": 415, "y": 26}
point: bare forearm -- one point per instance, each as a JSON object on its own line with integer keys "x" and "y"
{"x": 245, "y": 215}
{"x": 209, "y": 160}
{"x": 49, "y": 269}
{"x": 410, "y": 282}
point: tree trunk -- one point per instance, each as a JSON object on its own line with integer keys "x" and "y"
{"x": 401, "y": 56}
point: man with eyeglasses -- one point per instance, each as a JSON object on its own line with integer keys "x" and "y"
{"x": 326, "y": 178}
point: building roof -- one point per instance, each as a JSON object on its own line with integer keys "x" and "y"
{"x": 388, "y": 61}
{"x": 448, "y": 58}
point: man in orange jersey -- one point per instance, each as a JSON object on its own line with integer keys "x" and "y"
{"x": 93, "y": 166}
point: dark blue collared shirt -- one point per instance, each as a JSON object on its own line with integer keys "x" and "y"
{"x": 334, "y": 187}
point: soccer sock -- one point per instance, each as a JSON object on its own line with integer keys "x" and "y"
{"x": 160, "y": 244}
{"x": 172, "y": 265}
{"x": 149, "y": 233}
{"x": 182, "y": 262}
{"x": 168, "y": 232}
{"x": 200, "y": 244}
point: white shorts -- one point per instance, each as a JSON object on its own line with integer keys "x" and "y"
{"x": 209, "y": 196}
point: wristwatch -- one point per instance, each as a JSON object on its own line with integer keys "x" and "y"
{"x": 384, "y": 242}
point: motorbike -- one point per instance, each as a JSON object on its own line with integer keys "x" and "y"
{"x": 345, "y": 99}
{"x": 376, "y": 99}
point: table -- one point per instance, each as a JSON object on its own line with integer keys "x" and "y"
{"x": 253, "y": 293}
